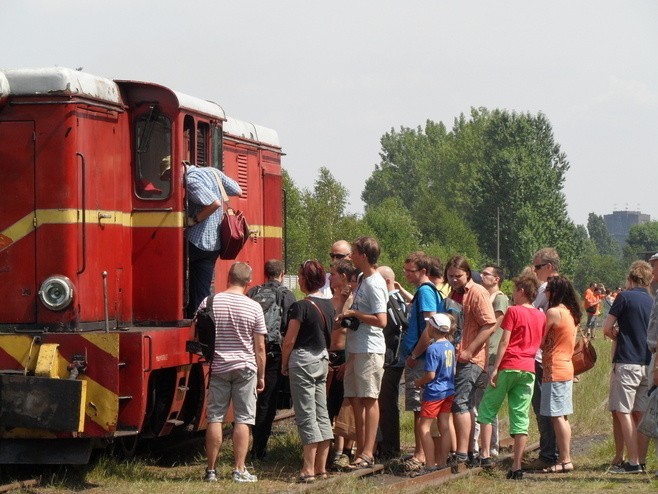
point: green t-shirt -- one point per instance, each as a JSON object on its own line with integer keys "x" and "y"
{"x": 500, "y": 304}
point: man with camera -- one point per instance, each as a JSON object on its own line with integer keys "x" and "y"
{"x": 365, "y": 347}
{"x": 426, "y": 302}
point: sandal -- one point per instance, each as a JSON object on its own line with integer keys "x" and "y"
{"x": 321, "y": 475}
{"x": 413, "y": 464}
{"x": 366, "y": 462}
{"x": 305, "y": 479}
{"x": 559, "y": 468}
{"x": 424, "y": 471}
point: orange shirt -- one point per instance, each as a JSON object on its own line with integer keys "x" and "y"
{"x": 591, "y": 299}
{"x": 478, "y": 312}
{"x": 558, "y": 347}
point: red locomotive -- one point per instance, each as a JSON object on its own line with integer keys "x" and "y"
{"x": 93, "y": 261}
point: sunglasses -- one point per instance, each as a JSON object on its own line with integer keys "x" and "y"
{"x": 337, "y": 256}
{"x": 484, "y": 273}
{"x": 539, "y": 266}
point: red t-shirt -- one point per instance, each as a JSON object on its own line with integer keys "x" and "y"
{"x": 526, "y": 326}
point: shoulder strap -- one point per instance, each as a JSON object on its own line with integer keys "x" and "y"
{"x": 219, "y": 183}
{"x": 439, "y": 295}
{"x": 324, "y": 319}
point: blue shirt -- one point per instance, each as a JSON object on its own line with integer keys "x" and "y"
{"x": 440, "y": 359}
{"x": 427, "y": 299}
{"x": 632, "y": 309}
{"x": 202, "y": 190}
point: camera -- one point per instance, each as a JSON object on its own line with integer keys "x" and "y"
{"x": 350, "y": 322}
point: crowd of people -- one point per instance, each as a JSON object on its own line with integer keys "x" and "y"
{"x": 459, "y": 343}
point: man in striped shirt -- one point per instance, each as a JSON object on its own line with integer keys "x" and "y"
{"x": 237, "y": 369}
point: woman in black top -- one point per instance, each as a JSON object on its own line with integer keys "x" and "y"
{"x": 306, "y": 360}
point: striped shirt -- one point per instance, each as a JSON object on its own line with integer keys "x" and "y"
{"x": 237, "y": 319}
{"x": 203, "y": 190}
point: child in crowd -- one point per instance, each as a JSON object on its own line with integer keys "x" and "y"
{"x": 513, "y": 374}
{"x": 439, "y": 389}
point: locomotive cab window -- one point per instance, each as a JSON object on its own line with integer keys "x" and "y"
{"x": 152, "y": 155}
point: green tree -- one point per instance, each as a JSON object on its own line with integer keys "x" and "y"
{"x": 599, "y": 234}
{"x": 642, "y": 239}
{"x": 593, "y": 267}
{"x": 395, "y": 230}
{"x": 325, "y": 213}
{"x": 408, "y": 167}
{"x": 522, "y": 177}
{"x": 296, "y": 226}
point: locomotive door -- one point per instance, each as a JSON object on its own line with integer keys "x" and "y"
{"x": 18, "y": 288}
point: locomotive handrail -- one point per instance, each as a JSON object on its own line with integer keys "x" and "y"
{"x": 150, "y": 355}
{"x": 152, "y": 210}
{"x": 84, "y": 215}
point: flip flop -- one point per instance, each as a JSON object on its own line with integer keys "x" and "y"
{"x": 559, "y": 468}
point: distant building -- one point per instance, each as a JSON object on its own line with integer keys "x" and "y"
{"x": 620, "y": 222}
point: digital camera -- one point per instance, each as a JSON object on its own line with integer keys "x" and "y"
{"x": 350, "y": 322}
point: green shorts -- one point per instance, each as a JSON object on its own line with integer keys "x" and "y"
{"x": 517, "y": 386}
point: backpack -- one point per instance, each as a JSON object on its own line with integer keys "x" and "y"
{"x": 456, "y": 310}
{"x": 396, "y": 326}
{"x": 205, "y": 329}
{"x": 270, "y": 298}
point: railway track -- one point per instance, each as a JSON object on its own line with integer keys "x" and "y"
{"x": 19, "y": 485}
{"x": 388, "y": 483}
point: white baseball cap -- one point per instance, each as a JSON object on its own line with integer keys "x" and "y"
{"x": 440, "y": 322}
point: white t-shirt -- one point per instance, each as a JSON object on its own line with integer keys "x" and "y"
{"x": 370, "y": 297}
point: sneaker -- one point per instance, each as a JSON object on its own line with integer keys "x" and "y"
{"x": 210, "y": 476}
{"x": 486, "y": 463}
{"x": 456, "y": 460}
{"x": 473, "y": 459}
{"x": 514, "y": 475}
{"x": 625, "y": 468}
{"x": 243, "y": 476}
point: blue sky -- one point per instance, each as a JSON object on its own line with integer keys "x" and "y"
{"x": 333, "y": 77}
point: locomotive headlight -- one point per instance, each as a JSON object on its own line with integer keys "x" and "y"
{"x": 56, "y": 292}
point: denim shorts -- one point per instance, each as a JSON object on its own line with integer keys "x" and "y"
{"x": 465, "y": 377}
{"x": 556, "y": 399}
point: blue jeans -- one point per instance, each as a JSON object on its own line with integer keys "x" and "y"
{"x": 202, "y": 269}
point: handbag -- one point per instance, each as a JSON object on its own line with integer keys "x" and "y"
{"x": 584, "y": 354}
{"x": 233, "y": 228}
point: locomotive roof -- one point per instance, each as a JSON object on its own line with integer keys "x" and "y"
{"x": 4, "y": 86}
{"x": 65, "y": 81}
{"x": 252, "y": 132}
{"x": 60, "y": 80}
